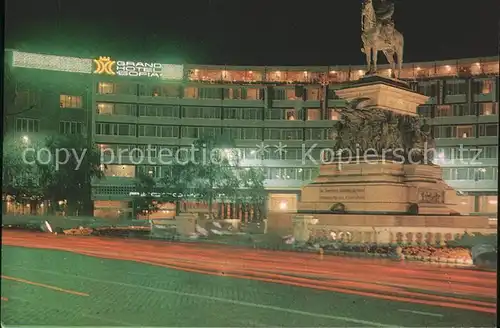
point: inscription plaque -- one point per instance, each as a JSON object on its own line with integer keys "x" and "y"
{"x": 341, "y": 194}
{"x": 430, "y": 196}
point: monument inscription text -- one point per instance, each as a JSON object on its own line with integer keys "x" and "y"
{"x": 430, "y": 196}
{"x": 341, "y": 194}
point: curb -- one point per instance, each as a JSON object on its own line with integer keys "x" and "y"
{"x": 431, "y": 259}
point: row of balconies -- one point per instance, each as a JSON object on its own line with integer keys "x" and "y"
{"x": 463, "y": 67}
{"x": 296, "y": 123}
{"x": 307, "y": 163}
{"x": 459, "y": 120}
{"x": 120, "y": 188}
{"x": 312, "y": 161}
{"x": 444, "y": 142}
{"x": 117, "y": 188}
{"x": 211, "y": 102}
{"x": 455, "y": 163}
{"x": 474, "y": 186}
{"x": 470, "y": 141}
{"x": 125, "y": 98}
{"x": 462, "y": 98}
{"x": 267, "y": 122}
{"x": 298, "y": 118}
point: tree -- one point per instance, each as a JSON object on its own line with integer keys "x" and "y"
{"x": 22, "y": 173}
{"x": 218, "y": 175}
{"x": 63, "y": 170}
{"x": 178, "y": 184}
{"x": 215, "y": 160}
{"x": 145, "y": 203}
{"x": 252, "y": 190}
{"x": 229, "y": 185}
{"x": 69, "y": 175}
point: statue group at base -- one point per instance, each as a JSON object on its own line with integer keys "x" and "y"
{"x": 376, "y": 132}
{"x": 379, "y": 34}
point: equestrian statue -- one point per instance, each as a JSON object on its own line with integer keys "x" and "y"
{"x": 378, "y": 34}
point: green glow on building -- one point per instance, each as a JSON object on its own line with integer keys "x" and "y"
{"x": 51, "y": 63}
{"x": 172, "y": 72}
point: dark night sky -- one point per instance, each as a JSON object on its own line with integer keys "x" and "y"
{"x": 246, "y": 32}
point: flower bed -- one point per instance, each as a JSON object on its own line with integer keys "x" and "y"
{"x": 79, "y": 232}
{"x": 438, "y": 252}
{"x": 412, "y": 252}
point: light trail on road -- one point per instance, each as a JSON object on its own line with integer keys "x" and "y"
{"x": 34, "y": 283}
{"x": 390, "y": 280}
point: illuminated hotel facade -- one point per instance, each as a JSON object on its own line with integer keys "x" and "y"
{"x": 126, "y": 105}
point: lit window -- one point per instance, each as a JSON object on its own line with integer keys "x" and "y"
{"x": 105, "y": 108}
{"x": 292, "y": 94}
{"x": 125, "y": 171}
{"x": 105, "y": 88}
{"x": 70, "y": 101}
{"x": 313, "y": 94}
{"x": 488, "y": 109}
{"x": 191, "y": 92}
{"x": 313, "y": 114}
{"x": 333, "y": 115}
{"x": 484, "y": 87}
{"x": 443, "y": 111}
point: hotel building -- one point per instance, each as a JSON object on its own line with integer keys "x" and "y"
{"x": 125, "y": 105}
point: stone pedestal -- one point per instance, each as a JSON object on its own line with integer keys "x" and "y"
{"x": 386, "y": 93}
{"x": 384, "y": 202}
{"x": 377, "y": 187}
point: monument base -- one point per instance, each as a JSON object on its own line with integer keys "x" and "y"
{"x": 378, "y": 202}
{"x": 387, "y": 229}
{"x": 377, "y": 187}
{"x": 385, "y": 93}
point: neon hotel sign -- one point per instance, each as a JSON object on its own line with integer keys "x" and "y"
{"x": 104, "y": 65}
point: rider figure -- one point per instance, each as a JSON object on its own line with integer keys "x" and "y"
{"x": 384, "y": 12}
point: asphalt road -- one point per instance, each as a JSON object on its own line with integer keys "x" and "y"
{"x": 200, "y": 285}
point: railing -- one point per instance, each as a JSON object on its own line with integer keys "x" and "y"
{"x": 411, "y": 71}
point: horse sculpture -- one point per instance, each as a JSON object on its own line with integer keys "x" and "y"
{"x": 378, "y": 34}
